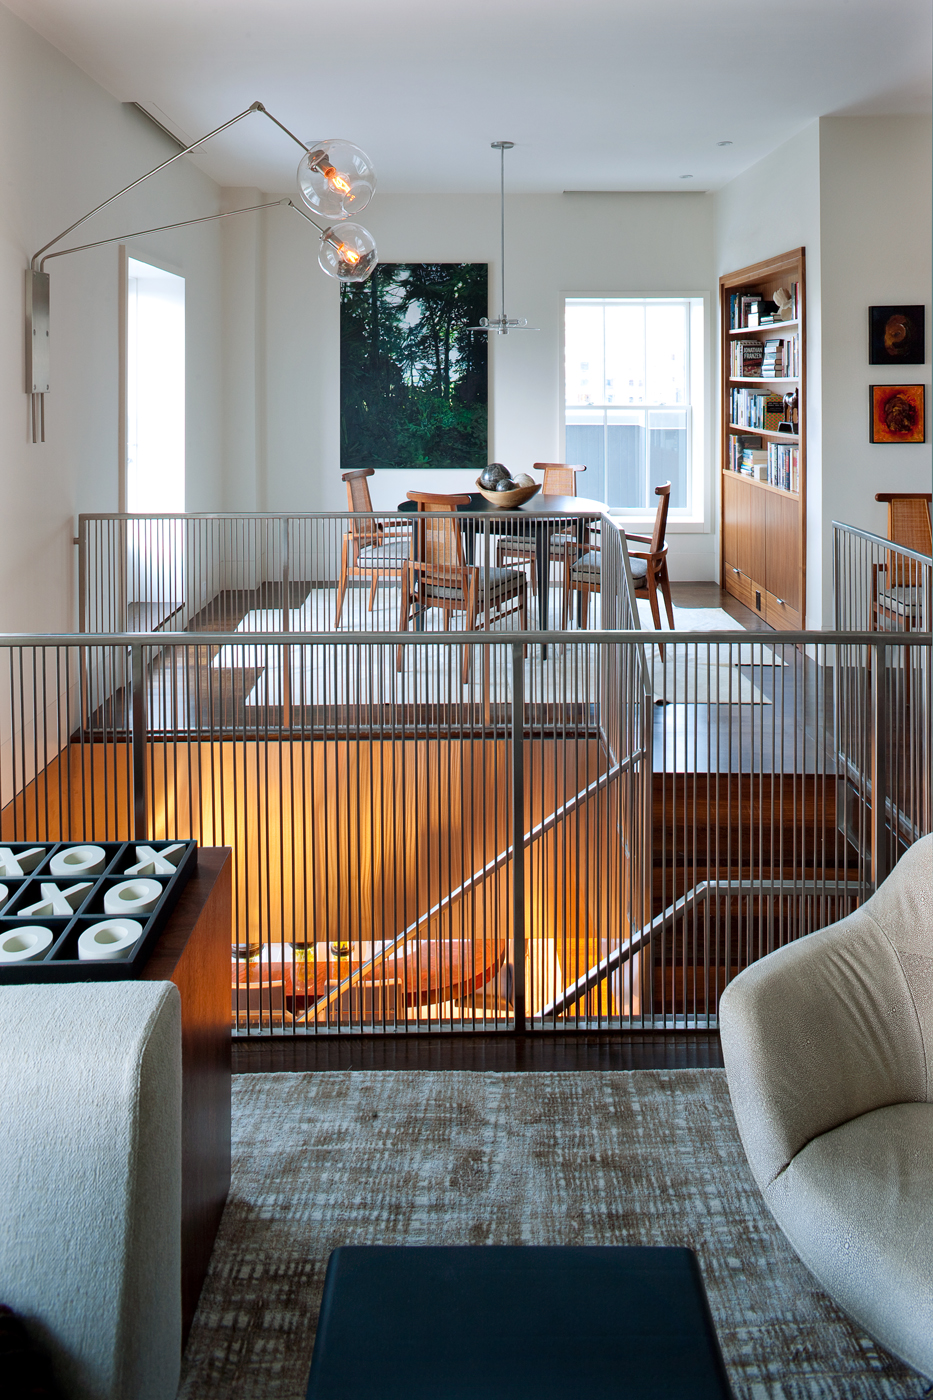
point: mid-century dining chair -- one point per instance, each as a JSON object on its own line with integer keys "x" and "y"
{"x": 371, "y": 550}
{"x": 437, "y": 576}
{"x": 649, "y": 567}
{"x": 560, "y": 479}
{"x": 897, "y": 604}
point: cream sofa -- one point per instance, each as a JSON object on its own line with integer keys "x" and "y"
{"x": 90, "y": 1166}
{"x": 828, "y": 1047}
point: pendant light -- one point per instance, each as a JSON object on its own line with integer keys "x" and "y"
{"x": 336, "y": 180}
{"x": 502, "y": 324}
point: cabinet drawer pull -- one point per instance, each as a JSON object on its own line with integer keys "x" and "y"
{"x": 781, "y": 601}
{"x": 736, "y": 571}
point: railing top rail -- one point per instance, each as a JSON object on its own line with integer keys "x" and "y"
{"x": 486, "y": 639}
{"x": 882, "y": 542}
{"x": 282, "y": 516}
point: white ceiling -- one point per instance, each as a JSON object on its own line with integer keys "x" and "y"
{"x": 596, "y": 94}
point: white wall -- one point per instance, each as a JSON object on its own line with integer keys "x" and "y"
{"x": 856, "y": 193}
{"x": 65, "y": 145}
{"x": 876, "y": 196}
{"x": 557, "y": 246}
{"x": 770, "y": 208}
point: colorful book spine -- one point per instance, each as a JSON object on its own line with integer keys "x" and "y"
{"x": 784, "y": 466}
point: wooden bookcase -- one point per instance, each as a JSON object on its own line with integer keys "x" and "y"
{"x": 763, "y": 534}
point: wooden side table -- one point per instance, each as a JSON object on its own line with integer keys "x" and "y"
{"x": 194, "y": 953}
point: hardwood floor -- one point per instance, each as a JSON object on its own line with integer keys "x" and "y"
{"x": 501, "y": 1054}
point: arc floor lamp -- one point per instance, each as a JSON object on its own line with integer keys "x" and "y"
{"x": 335, "y": 180}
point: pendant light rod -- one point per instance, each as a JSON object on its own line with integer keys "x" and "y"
{"x": 502, "y": 147}
{"x": 163, "y": 228}
{"x": 502, "y": 324}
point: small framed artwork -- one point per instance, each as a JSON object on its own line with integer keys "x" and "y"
{"x": 897, "y": 413}
{"x": 896, "y": 335}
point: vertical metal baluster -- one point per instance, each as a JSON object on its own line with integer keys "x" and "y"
{"x": 518, "y": 838}
{"x": 139, "y": 740}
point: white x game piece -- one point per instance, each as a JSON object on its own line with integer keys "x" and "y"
{"x": 150, "y": 862}
{"x": 20, "y": 862}
{"x": 56, "y": 903}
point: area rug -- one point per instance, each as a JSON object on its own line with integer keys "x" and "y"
{"x": 650, "y": 1157}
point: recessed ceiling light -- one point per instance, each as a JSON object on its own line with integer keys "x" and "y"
{"x": 686, "y": 177}
{"x": 723, "y": 143}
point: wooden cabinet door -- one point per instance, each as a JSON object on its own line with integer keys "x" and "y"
{"x": 782, "y": 548}
{"x": 736, "y": 521}
{"x": 757, "y": 533}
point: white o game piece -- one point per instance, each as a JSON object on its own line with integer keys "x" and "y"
{"x": 78, "y": 860}
{"x": 109, "y": 940}
{"x": 27, "y": 944}
{"x": 132, "y": 897}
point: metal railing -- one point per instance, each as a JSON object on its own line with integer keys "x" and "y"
{"x": 308, "y": 572}
{"x": 461, "y": 829}
{"x": 590, "y": 834}
{"x": 882, "y": 587}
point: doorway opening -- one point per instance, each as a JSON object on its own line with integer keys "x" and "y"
{"x": 155, "y": 443}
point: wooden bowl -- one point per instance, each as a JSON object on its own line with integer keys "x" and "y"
{"x": 508, "y": 500}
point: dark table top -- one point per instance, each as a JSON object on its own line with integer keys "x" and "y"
{"x": 507, "y": 1322}
{"x": 538, "y": 505}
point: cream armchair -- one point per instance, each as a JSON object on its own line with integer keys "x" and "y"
{"x": 828, "y": 1047}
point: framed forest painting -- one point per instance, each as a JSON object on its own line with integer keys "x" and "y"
{"x": 413, "y": 378}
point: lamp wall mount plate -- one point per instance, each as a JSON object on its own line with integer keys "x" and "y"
{"x": 335, "y": 178}
{"x": 502, "y": 324}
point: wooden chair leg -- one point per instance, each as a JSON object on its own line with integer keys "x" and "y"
{"x": 372, "y": 591}
{"x": 665, "y": 583}
{"x": 342, "y": 581}
{"x": 585, "y": 601}
{"x": 655, "y": 609}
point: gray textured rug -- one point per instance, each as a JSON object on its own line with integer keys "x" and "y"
{"x": 387, "y": 1157}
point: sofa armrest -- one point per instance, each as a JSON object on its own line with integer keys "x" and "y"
{"x": 90, "y": 1159}
{"x": 816, "y": 1034}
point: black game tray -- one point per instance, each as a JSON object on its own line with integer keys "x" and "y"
{"x": 61, "y": 963}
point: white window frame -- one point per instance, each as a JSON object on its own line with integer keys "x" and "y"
{"x": 697, "y": 517}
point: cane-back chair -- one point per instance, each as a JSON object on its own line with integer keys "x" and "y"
{"x": 649, "y": 568}
{"x": 372, "y": 550}
{"x": 898, "y": 604}
{"x": 438, "y": 576}
{"x": 560, "y": 479}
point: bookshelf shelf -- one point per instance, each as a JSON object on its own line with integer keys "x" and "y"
{"x": 782, "y": 379}
{"x": 763, "y": 524}
{"x": 763, "y": 485}
{"x": 792, "y": 439}
{"x": 774, "y": 326}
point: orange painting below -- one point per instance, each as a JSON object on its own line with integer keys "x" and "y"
{"x": 897, "y": 413}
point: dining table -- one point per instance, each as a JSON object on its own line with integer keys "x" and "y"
{"x": 538, "y": 518}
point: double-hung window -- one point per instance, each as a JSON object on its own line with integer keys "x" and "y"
{"x": 633, "y": 396}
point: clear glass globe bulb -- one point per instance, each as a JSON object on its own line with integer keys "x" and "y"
{"x": 348, "y": 252}
{"x": 336, "y": 179}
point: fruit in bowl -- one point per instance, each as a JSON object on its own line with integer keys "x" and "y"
{"x": 493, "y": 474}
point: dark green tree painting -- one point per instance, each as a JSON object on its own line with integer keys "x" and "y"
{"x": 413, "y": 379}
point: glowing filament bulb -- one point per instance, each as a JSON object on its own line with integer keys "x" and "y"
{"x": 347, "y": 252}
{"x": 334, "y": 178}
{"x": 349, "y": 255}
{"x": 337, "y": 181}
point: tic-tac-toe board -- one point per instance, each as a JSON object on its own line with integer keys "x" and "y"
{"x": 86, "y": 911}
